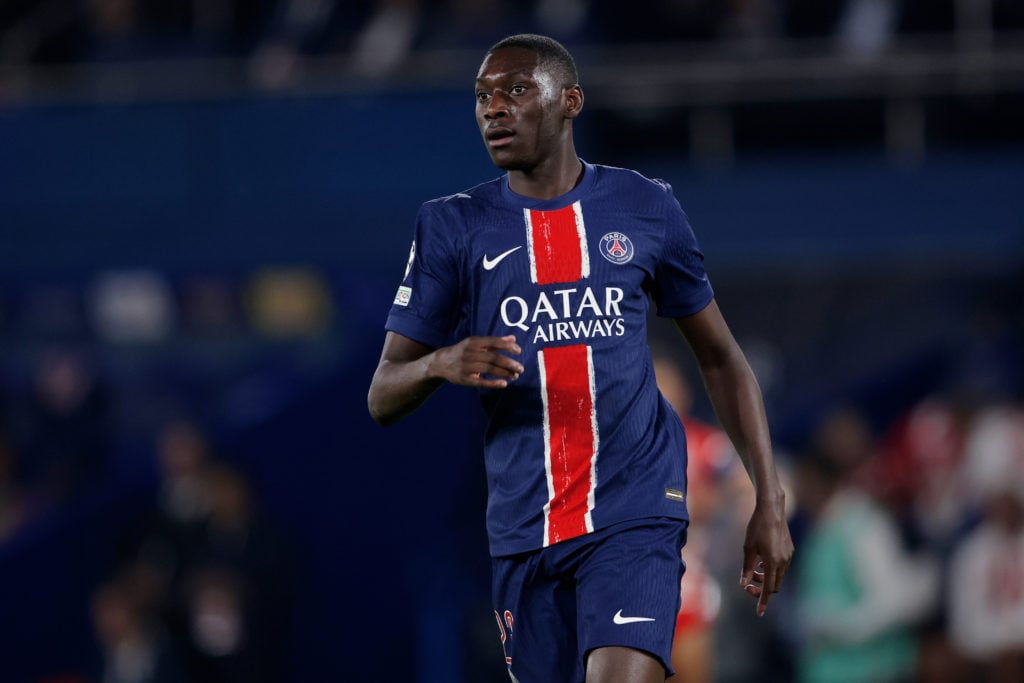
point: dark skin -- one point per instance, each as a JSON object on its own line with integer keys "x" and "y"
{"x": 525, "y": 112}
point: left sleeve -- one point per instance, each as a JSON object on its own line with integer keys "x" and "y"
{"x": 681, "y": 287}
{"x": 427, "y": 305}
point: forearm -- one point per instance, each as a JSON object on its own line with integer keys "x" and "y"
{"x": 409, "y": 372}
{"x": 730, "y": 383}
{"x": 400, "y": 387}
{"x": 736, "y": 398}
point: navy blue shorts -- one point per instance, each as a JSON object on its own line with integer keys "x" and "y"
{"x": 617, "y": 586}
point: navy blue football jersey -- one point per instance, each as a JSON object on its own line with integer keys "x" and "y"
{"x": 583, "y": 439}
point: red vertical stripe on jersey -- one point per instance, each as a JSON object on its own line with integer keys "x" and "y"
{"x": 556, "y": 245}
{"x": 571, "y": 440}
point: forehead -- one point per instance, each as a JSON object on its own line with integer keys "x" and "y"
{"x": 510, "y": 61}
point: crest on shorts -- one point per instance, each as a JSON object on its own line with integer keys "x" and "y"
{"x": 617, "y": 248}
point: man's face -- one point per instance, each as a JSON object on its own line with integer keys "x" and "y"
{"x": 519, "y": 108}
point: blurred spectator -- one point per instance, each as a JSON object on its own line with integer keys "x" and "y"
{"x": 217, "y": 570}
{"x": 239, "y": 537}
{"x": 860, "y": 593}
{"x": 221, "y": 645}
{"x": 166, "y": 540}
{"x": 846, "y": 440}
{"x": 919, "y": 474}
{"x": 709, "y": 454}
{"x": 986, "y": 587}
{"x": 64, "y": 431}
{"x": 175, "y": 529}
{"x": 718, "y": 638}
{"x": 135, "y": 648}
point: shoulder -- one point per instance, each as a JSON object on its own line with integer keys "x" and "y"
{"x": 473, "y": 198}
{"x": 634, "y": 182}
{"x": 446, "y": 221}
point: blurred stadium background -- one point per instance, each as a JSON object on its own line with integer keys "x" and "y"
{"x": 205, "y": 208}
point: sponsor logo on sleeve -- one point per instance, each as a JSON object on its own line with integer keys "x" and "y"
{"x": 403, "y": 295}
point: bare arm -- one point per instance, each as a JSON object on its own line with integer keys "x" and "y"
{"x": 737, "y": 400}
{"x": 409, "y": 372}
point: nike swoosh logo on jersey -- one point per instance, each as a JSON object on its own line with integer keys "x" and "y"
{"x": 489, "y": 264}
{"x": 619, "y": 619}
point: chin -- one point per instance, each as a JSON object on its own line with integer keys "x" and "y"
{"x": 510, "y": 164}
{"x": 506, "y": 161}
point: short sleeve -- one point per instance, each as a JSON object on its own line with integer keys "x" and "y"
{"x": 681, "y": 287}
{"x": 427, "y": 303}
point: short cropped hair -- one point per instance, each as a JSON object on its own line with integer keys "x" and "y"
{"x": 552, "y": 54}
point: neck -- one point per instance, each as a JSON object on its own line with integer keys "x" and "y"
{"x": 548, "y": 180}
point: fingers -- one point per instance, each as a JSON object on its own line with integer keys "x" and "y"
{"x": 506, "y": 343}
{"x": 483, "y": 362}
{"x": 499, "y": 365}
{"x": 750, "y": 563}
{"x": 762, "y": 582}
{"x": 767, "y": 591}
{"x": 753, "y": 582}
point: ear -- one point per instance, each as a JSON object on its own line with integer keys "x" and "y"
{"x": 572, "y": 98}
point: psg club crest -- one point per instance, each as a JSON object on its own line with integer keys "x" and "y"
{"x": 617, "y": 248}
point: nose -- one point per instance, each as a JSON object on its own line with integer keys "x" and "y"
{"x": 497, "y": 106}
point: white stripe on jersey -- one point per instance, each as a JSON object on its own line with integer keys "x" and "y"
{"x": 547, "y": 426}
{"x": 577, "y": 209}
{"x": 591, "y": 502}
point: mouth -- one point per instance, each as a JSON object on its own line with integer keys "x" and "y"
{"x": 499, "y": 137}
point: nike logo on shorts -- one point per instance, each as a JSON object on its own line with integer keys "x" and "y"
{"x": 619, "y": 619}
{"x": 489, "y": 264}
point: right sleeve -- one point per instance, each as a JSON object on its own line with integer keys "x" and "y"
{"x": 427, "y": 302}
{"x": 681, "y": 287}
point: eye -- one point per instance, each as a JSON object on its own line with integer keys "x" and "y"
{"x": 518, "y": 89}
{"x": 482, "y": 97}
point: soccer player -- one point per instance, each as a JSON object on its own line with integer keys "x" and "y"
{"x": 533, "y": 288}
